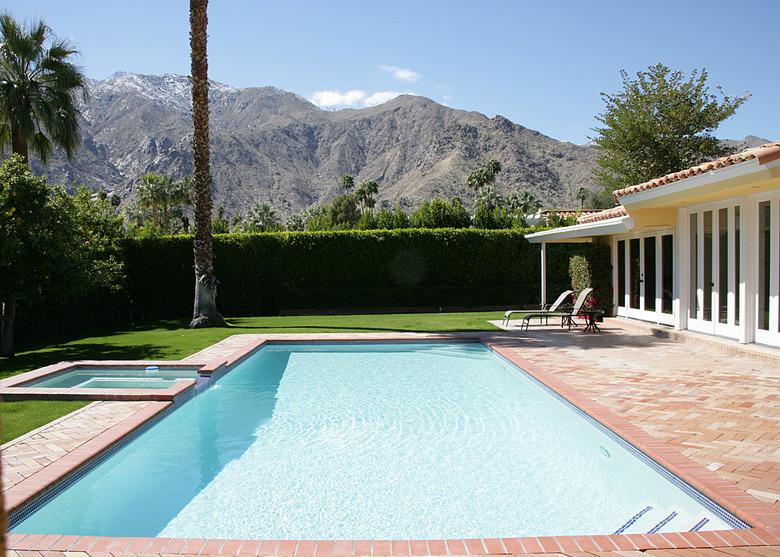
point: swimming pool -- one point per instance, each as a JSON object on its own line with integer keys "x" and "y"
{"x": 151, "y": 377}
{"x": 390, "y": 441}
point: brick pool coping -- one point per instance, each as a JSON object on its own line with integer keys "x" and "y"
{"x": 14, "y": 388}
{"x": 763, "y": 518}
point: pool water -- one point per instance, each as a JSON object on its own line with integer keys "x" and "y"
{"x": 116, "y": 378}
{"x": 391, "y": 441}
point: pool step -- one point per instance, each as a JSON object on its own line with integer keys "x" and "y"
{"x": 650, "y": 520}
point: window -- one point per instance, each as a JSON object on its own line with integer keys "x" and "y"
{"x": 649, "y": 276}
{"x": 667, "y": 270}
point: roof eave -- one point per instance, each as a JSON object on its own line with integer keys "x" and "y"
{"x": 652, "y": 196}
{"x": 606, "y": 227}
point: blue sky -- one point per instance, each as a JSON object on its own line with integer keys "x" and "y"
{"x": 540, "y": 64}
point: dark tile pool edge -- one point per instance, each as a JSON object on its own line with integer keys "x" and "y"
{"x": 765, "y": 520}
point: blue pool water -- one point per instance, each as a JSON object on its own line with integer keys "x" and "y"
{"x": 116, "y": 378}
{"x": 372, "y": 441}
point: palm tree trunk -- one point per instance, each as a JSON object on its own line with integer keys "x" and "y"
{"x": 18, "y": 143}
{"x": 205, "y": 312}
{"x": 7, "y": 316}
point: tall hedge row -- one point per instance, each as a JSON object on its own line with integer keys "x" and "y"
{"x": 265, "y": 274}
{"x": 271, "y": 273}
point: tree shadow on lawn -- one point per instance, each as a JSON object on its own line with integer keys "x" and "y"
{"x": 26, "y": 361}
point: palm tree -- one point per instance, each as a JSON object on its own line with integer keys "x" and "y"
{"x": 205, "y": 312}
{"x": 365, "y": 195}
{"x": 38, "y": 89}
{"x": 483, "y": 175}
{"x": 261, "y": 218}
{"x": 524, "y": 202}
{"x": 347, "y": 182}
{"x": 582, "y": 195}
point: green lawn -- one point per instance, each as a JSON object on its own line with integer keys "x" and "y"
{"x": 170, "y": 340}
{"x": 25, "y": 415}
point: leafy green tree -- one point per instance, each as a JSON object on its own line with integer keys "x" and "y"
{"x": 52, "y": 246}
{"x": 261, "y": 218}
{"x": 343, "y": 212}
{"x": 484, "y": 175}
{"x": 492, "y": 217}
{"x": 660, "y": 122}
{"x": 397, "y": 218}
{"x": 220, "y": 224}
{"x": 440, "y": 213}
{"x": 39, "y": 85}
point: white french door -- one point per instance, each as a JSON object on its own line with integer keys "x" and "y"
{"x": 645, "y": 265}
{"x": 766, "y": 278}
{"x": 715, "y": 265}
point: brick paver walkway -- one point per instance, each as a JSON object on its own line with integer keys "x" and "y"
{"x": 720, "y": 409}
{"x": 30, "y": 453}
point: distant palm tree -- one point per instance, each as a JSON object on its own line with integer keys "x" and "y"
{"x": 525, "y": 202}
{"x": 365, "y": 195}
{"x": 582, "y": 195}
{"x": 347, "y": 182}
{"x": 261, "y": 218}
{"x": 205, "y": 312}
{"x": 484, "y": 175}
{"x": 38, "y": 89}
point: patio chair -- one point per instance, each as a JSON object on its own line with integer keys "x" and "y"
{"x": 567, "y": 316}
{"x": 545, "y": 307}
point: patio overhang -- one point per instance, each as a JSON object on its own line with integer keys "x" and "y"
{"x": 584, "y": 232}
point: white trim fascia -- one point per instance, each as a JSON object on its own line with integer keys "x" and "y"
{"x": 617, "y": 225}
{"x": 645, "y": 197}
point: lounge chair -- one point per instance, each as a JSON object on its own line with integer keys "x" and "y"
{"x": 565, "y": 315}
{"x": 545, "y": 307}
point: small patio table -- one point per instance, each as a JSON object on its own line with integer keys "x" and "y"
{"x": 592, "y": 316}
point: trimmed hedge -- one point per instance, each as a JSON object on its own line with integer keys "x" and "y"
{"x": 265, "y": 274}
{"x": 414, "y": 268}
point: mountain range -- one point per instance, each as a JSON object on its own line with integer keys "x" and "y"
{"x": 270, "y": 145}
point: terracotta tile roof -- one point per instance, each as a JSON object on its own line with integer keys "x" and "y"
{"x": 764, "y": 154}
{"x": 569, "y": 213}
{"x": 612, "y": 213}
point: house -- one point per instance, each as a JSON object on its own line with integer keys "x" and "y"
{"x": 697, "y": 249}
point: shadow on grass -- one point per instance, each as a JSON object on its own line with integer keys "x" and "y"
{"x": 26, "y": 361}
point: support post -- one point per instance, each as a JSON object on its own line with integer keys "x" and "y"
{"x": 544, "y": 273}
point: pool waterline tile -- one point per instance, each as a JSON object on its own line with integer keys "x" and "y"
{"x": 721, "y": 491}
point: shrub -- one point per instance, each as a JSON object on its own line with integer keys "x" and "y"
{"x": 579, "y": 273}
{"x": 440, "y": 213}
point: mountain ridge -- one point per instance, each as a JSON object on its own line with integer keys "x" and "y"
{"x": 270, "y": 145}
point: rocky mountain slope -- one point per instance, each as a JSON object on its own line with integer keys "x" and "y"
{"x": 269, "y": 145}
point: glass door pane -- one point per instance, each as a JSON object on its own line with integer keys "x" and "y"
{"x": 621, "y": 272}
{"x": 723, "y": 265}
{"x": 634, "y": 278}
{"x": 667, "y": 269}
{"x": 649, "y": 276}
{"x": 694, "y": 266}
{"x": 707, "y": 266}
{"x": 764, "y": 262}
{"x": 737, "y": 264}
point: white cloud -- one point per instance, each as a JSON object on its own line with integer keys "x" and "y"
{"x": 337, "y": 99}
{"x": 333, "y": 99}
{"x": 380, "y": 97}
{"x": 402, "y": 74}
